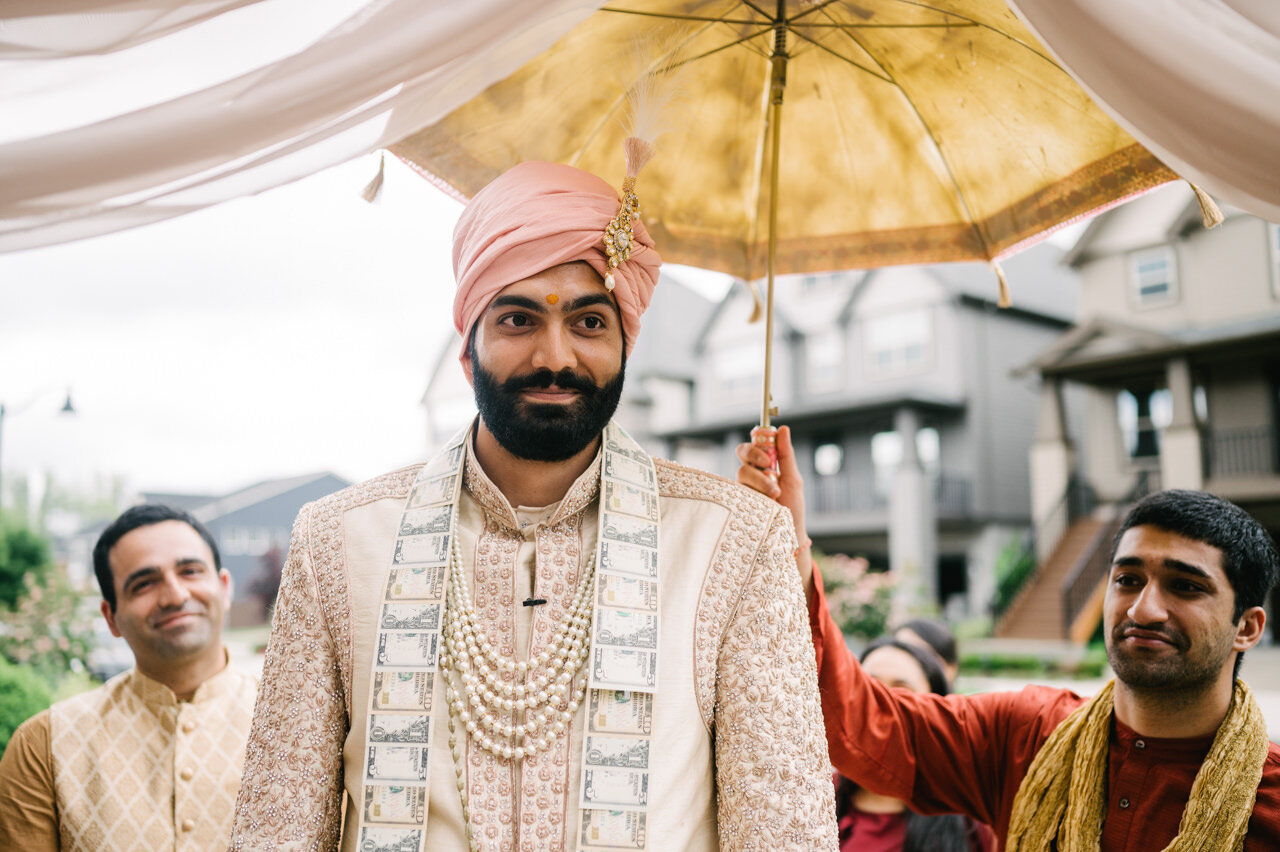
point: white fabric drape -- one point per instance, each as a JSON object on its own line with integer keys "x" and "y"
{"x": 1195, "y": 81}
{"x": 116, "y": 114}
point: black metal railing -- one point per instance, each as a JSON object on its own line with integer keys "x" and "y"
{"x": 1094, "y": 563}
{"x": 1078, "y": 500}
{"x": 953, "y": 495}
{"x": 1242, "y": 452}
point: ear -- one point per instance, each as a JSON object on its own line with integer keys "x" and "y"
{"x": 466, "y": 367}
{"x": 227, "y": 586}
{"x": 110, "y": 618}
{"x": 1249, "y": 629}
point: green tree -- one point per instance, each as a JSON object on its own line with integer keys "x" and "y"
{"x": 23, "y": 552}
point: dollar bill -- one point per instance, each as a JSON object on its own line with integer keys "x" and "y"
{"x": 614, "y": 788}
{"x": 408, "y": 650}
{"x": 417, "y": 583}
{"x": 603, "y": 829}
{"x": 396, "y": 763}
{"x": 446, "y": 462}
{"x": 395, "y": 804}
{"x": 626, "y": 628}
{"x": 630, "y": 500}
{"x": 411, "y": 616}
{"x": 628, "y": 470}
{"x": 620, "y": 711}
{"x": 620, "y": 447}
{"x": 617, "y": 752}
{"x": 629, "y": 592}
{"x": 624, "y": 668}
{"x": 629, "y": 559}
{"x": 432, "y": 491}
{"x": 630, "y": 530}
{"x": 425, "y": 521}
{"x": 428, "y": 549}
{"x": 403, "y": 690}
{"x": 400, "y": 728}
{"x": 390, "y": 839}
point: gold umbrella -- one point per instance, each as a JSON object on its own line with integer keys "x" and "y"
{"x": 915, "y": 132}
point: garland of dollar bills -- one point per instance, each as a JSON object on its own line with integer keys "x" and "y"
{"x": 622, "y": 661}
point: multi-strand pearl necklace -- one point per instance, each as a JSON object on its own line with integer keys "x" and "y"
{"x": 544, "y": 689}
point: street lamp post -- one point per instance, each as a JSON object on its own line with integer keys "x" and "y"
{"x": 67, "y": 408}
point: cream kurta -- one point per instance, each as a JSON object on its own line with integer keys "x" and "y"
{"x": 741, "y": 758}
{"x": 127, "y": 766}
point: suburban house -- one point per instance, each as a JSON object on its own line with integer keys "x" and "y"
{"x": 251, "y": 526}
{"x": 1171, "y": 379}
{"x": 910, "y": 433}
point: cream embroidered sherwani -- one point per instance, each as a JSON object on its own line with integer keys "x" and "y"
{"x": 127, "y": 766}
{"x": 741, "y": 758}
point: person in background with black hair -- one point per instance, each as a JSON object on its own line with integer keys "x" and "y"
{"x": 1170, "y": 755}
{"x": 870, "y": 822}
{"x": 152, "y": 758}
{"x": 935, "y": 636}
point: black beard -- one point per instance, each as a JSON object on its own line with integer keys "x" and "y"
{"x": 1190, "y": 670}
{"x": 544, "y": 432}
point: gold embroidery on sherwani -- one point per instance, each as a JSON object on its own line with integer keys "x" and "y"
{"x": 768, "y": 771}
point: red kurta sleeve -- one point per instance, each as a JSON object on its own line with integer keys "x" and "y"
{"x": 952, "y": 754}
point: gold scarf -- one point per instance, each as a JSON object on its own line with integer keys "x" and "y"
{"x": 1062, "y": 801}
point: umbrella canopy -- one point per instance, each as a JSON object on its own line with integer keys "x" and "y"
{"x": 912, "y": 132}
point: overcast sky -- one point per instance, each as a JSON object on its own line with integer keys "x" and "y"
{"x": 287, "y": 333}
{"x": 275, "y": 335}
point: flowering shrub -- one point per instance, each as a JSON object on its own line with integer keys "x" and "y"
{"x": 860, "y": 600}
{"x": 47, "y": 632}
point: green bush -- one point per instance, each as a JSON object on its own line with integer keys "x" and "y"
{"x": 1014, "y": 566}
{"x": 23, "y": 553}
{"x": 22, "y": 695}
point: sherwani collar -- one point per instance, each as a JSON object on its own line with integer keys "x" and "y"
{"x": 579, "y": 496}
{"x": 155, "y": 694}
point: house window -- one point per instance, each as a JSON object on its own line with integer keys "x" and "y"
{"x": 1155, "y": 276}
{"x": 899, "y": 343}
{"x": 1143, "y": 416}
{"x": 886, "y": 455}
{"x": 739, "y": 367}
{"x": 828, "y": 458}
{"x": 824, "y": 355}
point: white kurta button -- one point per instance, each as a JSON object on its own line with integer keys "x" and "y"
{"x": 188, "y": 825}
{"x": 188, "y": 726}
{"x": 186, "y": 773}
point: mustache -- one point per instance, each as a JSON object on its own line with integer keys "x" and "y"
{"x": 188, "y": 608}
{"x": 545, "y": 378}
{"x": 1173, "y": 637}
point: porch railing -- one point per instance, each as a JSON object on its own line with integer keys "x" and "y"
{"x": 1242, "y": 452}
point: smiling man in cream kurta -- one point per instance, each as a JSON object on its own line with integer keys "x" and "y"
{"x": 623, "y": 658}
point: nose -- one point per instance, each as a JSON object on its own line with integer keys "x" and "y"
{"x": 555, "y": 349}
{"x": 1148, "y": 607}
{"x": 173, "y": 592}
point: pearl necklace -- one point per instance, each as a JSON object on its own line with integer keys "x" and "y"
{"x": 479, "y": 695}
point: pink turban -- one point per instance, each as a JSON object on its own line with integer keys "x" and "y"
{"x": 535, "y": 216}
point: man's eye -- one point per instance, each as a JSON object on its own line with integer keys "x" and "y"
{"x": 1126, "y": 580}
{"x": 593, "y": 322}
{"x": 515, "y": 320}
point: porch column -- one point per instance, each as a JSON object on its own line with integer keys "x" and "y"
{"x": 1052, "y": 462}
{"x": 1181, "y": 459}
{"x": 913, "y": 529}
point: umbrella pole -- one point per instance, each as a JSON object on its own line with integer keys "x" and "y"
{"x": 765, "y": 435}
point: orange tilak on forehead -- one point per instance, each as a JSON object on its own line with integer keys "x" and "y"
{"x": 552, "y": 298}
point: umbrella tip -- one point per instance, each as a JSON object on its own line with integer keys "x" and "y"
{"x": 1004, "y": 301}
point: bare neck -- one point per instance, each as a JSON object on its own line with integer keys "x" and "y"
{"x": 1175, "y": 714}
{"x": 525, "y": 482}
{"x": 184, "y": 679}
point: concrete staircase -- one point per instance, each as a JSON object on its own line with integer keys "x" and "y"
{"x": 1037, "y": 611}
